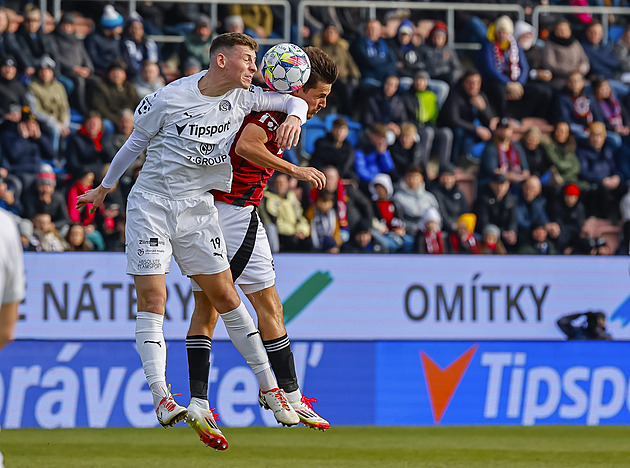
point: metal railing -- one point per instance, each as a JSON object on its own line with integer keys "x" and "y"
{"x": 604, "y": 11}
{"x": 448, "y": 8}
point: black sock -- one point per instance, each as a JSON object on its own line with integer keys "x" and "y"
{"x": 281, "y": 359}
{"x": 198, "y": 350}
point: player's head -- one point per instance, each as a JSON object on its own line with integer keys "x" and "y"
{"x": 324, "y": 73}
{"x": 234, "y": 54}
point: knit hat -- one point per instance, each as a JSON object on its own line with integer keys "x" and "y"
{"x": 46, "y": 61}
{"x": 492, "y": 229}
{"x": 469, "y": 220}
{"x": 431, "y": 214}
{"x": 8, "y": 61}
{"x": 406, "y": 27}
{"x": 438, "y": 26}
{"x": 504, "y": 23}
{"x": 521, "y": 27}
{"x": 67, "y": 18}
{"x": 111, "y": 19}
{"x": 382, "y": 179}
{"x": 47, "y": 178}
{"x": 572, "y": 190}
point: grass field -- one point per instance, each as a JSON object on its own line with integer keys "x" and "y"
{"x": 339, "y": 447}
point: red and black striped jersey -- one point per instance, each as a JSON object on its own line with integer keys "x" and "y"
{"x": 248, "y": 179}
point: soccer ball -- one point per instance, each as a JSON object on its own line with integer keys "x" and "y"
{"x": 286, "y": 68}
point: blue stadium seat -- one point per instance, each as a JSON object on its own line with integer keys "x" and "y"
{"x": 312, "y": 131}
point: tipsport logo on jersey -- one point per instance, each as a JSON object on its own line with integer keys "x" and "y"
{"x": 502, "y": 383}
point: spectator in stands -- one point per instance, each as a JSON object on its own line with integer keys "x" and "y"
{"x": 24, "y": 146}
{"x": 89, "y": 148}
{"x": 34, "y": 43}
{"x": 338, "y": 49}
{"x": 115, "y": 93}
{"x": 83, "y": 181}
{"x": 50, "y": 107}
{"x": 503, "y": 155}
{"x": 4, "y": 26}
{"x": 408, "y": 150}
{"x": 468, "y": 113}
{"x": 451, "y": 200}
{"x": 604, "y": 63}
{"x": 490, "y": 243}
{"x": 42, "y": 197}
{"x": 12, "y": 44}
{"x": 281, "y": 207}
{"x": 8, "y": 199}
{"x": 74, "y": 65}
{"x": 258, "y": 18}
{"x": 408, "y": 55}
{"x": 607, "y": 108}
{"x": 104, "y": 44}
{"x": 439, "y": 58}
{"x": 568, "y": 212}
{"x": 136, "y": 46}
{"x": 537, "y": 160}
{"x": 430, "y": 238}
{"x": 375, "y": 59}
{"x": 412, "y": 199}
{"x": 372, "y": 156}
{"x": 192, "y": 66}
{"x": 45, "y": 236}
{"x": 234, "y": 23}
{"x": 335, "y": 150}
{"x": 560, "y": 151}
{"x": 13, "y": 94}
{"x": 536, "y": 242}
{"x": 324, "y": 221}
{"x": 621, "y": 50}
{"x": 385, "y": 106}
{"x": 598, "y": 167}
{"x": 531, "y": 208}
{"x": 423, "y": 109}
{"x": 361, "y": 240}
{"x": 124, "y": 127}
{"x": 463, "y": 239}
{"x": 496, "y": 205}
{"x": 197, "y": 44}
{"x": 391, "y": 232}
{"x": 76, "y": 240}
{"x": 29, "y": 243}
{"x": 149, "y": 80}
{"x": 593, "y": 328}
{"x": 563, "y": 55}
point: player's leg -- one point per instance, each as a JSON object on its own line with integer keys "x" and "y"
{"x": 151, "y": 299}
{"x": 240, "y": 326}
{"x": 268, "y": 308}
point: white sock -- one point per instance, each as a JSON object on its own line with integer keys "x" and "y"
{"x": 294, "y": 397}
{"x": 152, "y": 349}
{"x": 200, "y": 402}
{"x": 246, "y": 339}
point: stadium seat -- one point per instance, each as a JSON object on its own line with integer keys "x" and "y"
{"x": 312, "y": 130}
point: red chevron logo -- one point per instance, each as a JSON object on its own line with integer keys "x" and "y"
{"x": 442, "y": 383}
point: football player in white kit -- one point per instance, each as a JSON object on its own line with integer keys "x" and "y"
{"x": 256, "y": 148}
{"x": 11, "y": 279}
{"x": 188, "y": 126}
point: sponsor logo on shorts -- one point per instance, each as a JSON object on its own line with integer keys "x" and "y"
{"x": 152, "y": 242}
{"x": 217, "y": 254}
{"x": 225, "y": 106}
{"x": 149, "y": 264}
{"x": 204, "y": 161}
{"x": 140, "y": 252}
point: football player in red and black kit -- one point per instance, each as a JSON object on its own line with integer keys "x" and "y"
{"x": 255, "y": 155}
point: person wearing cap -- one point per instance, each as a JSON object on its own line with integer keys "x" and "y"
{"x": 496, "y": 205}
{"x": 490, "y": 243}
{"x": 74, "y": 65}
{"x": 50, "y": 107}
{"x": 375, "y": 59}
{"x": 137, "y": 46}
{"x": 13, "y": 93}
{"x": 439, "y": 58}
{"x": 335, "y": 150}
{"x": 463, "y": 239}
{"x": 503, "y": 155}
{"x": 196, "y": 44}
{"x": 567, "y": 210}
{"x": 451, "y": 200}
{"x": 34, "y": 43}
{"x": 391, "y": 229}
{"x": 430, "y": 238}
{"x": 113, "y": 94}
{"x": 43, "y": 197}
{"x": 104, "y": 44}
{"x": 406, "y": 47}
{"x": 536, "y": 241}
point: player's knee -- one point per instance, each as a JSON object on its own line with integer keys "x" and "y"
{"x": 226, "y": 299}
{"x": 152, "y": 301}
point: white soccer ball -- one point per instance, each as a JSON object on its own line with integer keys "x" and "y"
{"x": 286, "y": 68}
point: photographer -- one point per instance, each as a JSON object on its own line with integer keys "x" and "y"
{"x": 593, "y": 328}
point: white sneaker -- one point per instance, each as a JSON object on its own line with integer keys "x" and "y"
{"x": 276, "y": 400}
{"x": 204, "y": 422}
{"x": 169, "y": 412}
{"x": 308, "y": 416}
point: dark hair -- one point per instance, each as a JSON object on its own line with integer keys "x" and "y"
{"x": 229, "y": 40}
{"x": 415, "y": 169}
{"x": 379, "y": 130}
{"x": 325, "y": 195}
{"x": 323, "y": 69}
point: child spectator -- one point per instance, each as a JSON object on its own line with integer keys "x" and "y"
{"x": 463, "y": 240}
{"x": 491, "y": 241}
{"x": 324, "y": 222}
{"x": 373, "y": 157}
{"x": 430, "y": 239}
{"x": 335, "y": 150}
{"x": 361, "y": 240}
{"x": 568, "y": 212}
{"x": 536, "y": 242}
{"x": 76, "y": 240}
{"x": 392, "y": 232}
{"x": 45, "y": 236}
{"x": 408, "y": 55}
{"x": 413, "y": 200}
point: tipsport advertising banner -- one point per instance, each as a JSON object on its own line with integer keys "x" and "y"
{"x": 87, "y": 296}
{"x": 58, "y": 384}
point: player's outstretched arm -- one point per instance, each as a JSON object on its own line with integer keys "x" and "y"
{"x": 251, "y": 146}
{"x": 288, "y": 134}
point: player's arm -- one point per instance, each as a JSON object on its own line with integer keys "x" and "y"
{"x": 251, "y": 146}
{"x": 127, "y": 154}
{"x": 288, "y": 134}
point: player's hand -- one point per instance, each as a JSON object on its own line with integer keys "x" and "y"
{"x": 288, "y": 134}
{"x": 316, "y": 178}
{"x": 95, "y": 197}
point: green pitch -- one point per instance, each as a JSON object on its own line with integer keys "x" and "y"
{"x": 339, "y": 447}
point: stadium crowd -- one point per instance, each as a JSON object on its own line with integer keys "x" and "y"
{"x": 519, "y": 147}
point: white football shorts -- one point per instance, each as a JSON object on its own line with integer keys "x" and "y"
{"x": 188, "y": 229}
{"x": 248, "y": 248}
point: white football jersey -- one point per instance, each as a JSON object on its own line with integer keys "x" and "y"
{"x": 190, "y": 135}
{"x": 11, "y": 261}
